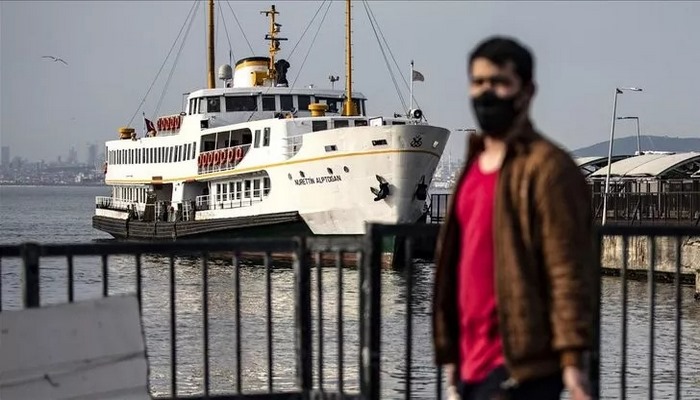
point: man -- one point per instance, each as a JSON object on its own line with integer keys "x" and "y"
{"x": 514, "y": 290}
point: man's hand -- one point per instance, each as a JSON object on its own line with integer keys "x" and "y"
{"x": 451, "y": 372}
{"x": 576, "y": 382}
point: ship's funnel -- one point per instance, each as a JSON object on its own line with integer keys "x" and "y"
{"x": 250, "y": 72}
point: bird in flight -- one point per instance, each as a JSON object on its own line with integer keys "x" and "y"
{"x": 55, "y": 59}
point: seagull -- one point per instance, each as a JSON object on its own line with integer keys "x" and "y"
{"x": 55, "y": 59}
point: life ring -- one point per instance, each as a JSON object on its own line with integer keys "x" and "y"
{"x": 208, "y": 162}
{"x": 178, "y": 121}
{"x": 174, "y": 123}
{"x": 229, "y": 155}
{"x": 159, "y": 124}
{"x": 200, "y": 160}
{"x": 238, "y": 154}
{"x": 215, "y": 158}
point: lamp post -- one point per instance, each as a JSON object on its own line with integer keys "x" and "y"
{"x": 639, "y": 145}
{"x": 610, "y": 147}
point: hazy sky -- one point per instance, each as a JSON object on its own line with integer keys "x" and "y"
{"x": 114, "y": 50}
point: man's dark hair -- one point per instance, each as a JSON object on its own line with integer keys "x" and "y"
{"x": 499, "y": 50}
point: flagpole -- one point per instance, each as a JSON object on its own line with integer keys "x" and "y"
{"x": 411, "y": 79}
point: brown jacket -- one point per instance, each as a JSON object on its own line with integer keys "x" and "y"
{"x": 544, "y": 261}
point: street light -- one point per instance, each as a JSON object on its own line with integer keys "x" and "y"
{"x": 639, "y": 145}
{"x": 610, "y": 147}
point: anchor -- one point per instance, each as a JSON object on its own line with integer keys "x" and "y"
{"x": 383, "y": 190}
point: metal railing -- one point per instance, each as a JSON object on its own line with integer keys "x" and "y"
{"x": 383, "y": 317}
{"x": 682, "y": 208}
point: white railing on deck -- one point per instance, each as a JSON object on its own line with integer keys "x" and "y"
{"x": 113, "y": 203}
{"x": 206, "y": 164}
{"x": 210, "y": 202}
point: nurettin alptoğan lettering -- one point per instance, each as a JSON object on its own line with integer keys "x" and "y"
{"x": 317, "y": 180}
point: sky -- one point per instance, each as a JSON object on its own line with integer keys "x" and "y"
{"x": 114, "y": 50}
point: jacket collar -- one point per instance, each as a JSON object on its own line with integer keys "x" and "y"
{"x": 517, "y": 139}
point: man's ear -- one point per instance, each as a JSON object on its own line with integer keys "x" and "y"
{"x": 530, "y": 89}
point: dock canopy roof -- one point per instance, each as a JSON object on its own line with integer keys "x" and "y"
{"x": 660, "y": 166}
{"x": 589, "y": 165}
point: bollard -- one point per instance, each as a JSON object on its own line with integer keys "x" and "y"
{"x": 30, "y": 261}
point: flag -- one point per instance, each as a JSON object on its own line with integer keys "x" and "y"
{"x": 417, "y": 76}
{"x": 149, "y": 125}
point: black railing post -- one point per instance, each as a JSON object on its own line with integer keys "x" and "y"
{"x": 303, "y": 319}
{"x": 30, "y": 260}
{"x": 371, "y": 291}
{"x": 594, "y": 367}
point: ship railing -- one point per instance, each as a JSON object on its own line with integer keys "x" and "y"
{"x": 217, "y": 202}
{"x": 206, "y": 163}
{"x": 294, "y": 144}
{"x": 113, "y": 203}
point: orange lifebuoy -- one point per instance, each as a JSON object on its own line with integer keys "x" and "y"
{"x": 229, "y": 155}
{"x": 238, "y": 154}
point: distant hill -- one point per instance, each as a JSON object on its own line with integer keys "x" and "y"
{"x": 628, "y": 145}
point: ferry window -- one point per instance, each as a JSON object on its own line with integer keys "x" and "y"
{"x": 266, "y": 137}
{"x": 303, "y": 102}
{"x": 360, "y": 122}
{"x": 213, "y": 104}
{"x": 256, "y": 188}
{"x": 286, "y": 103}
{"x": 241, "y": 103}
{"x": 398, "y": 123}
{"x": 331, "y": 147}
{"x": 319, "y": 126}
{"x": 238, "y": 190}
{"x": 333, "y": 104}
{"x": 247, "y": 189}
{"x": 193, "y": 150}
{"x": 266, "y": 186}
{"x": 378, "y": 142}
{"x": 171, "y": 155}
{"x": 341, "y": 123}
{"x": 268, "y": 103}
{"x": 257, "y": 138}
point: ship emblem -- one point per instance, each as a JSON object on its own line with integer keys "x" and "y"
{"x": 417, "y": 141}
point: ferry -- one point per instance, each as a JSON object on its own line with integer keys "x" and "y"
{"x": 256, "y": 156}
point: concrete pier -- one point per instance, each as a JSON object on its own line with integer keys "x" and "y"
{"x": 638, "y": 253}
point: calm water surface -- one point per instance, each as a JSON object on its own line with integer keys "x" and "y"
{"x": 63, "y": 215}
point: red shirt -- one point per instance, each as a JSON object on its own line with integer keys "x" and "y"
{"x": 480, "y": 341}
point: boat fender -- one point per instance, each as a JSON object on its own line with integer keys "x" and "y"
{"x": 229, "y": 155}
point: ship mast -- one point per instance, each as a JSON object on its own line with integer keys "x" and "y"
{"x": 274, "y": 41}
{"x": 349, "y": 108}
{"x": 210, "y": 47}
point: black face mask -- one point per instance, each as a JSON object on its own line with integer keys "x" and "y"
{"x": 494, "y": 114}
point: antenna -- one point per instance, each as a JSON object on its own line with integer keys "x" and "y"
{"x": 274, "y": 40}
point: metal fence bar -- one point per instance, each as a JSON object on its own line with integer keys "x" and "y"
{"x": 71, "y": 283}
{"x": 173, "y": 331}
{"x": 652, "y": 312}
{"x": 371, "y": 289}
{"x": 408, "y": 271}
{"x": 623, "y": 350}
{"x": 1, "y": 283}
{"x": 268, "y": 301}
{"x": 139, "y": 282}
{"x": 319, "y": 305}
{"x": 105, "y": 276}
{"x": 205, "y": 316}
{"x": 303, "y": 319}
{"x": 339, "y": 311}
{"x": 237, "y": 317}
{"x": 30, "y": 259}
{"x": 594, "y": 367}
{"x": 679, "y": 314}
